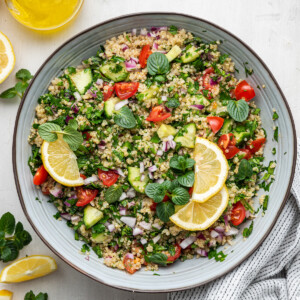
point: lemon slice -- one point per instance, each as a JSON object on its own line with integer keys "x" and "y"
{"x": 60, "y": 162}
{"x": 5, "y": 295}
{"x": 211, "y": 170}
{"x": 28, "y": 268}
{"x": 7, "y": 57}
{"x": 200, "y": 216}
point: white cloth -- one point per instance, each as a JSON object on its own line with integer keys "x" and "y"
{"x": 273, "y": 271}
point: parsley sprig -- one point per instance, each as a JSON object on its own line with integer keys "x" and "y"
{"x": 31, "y": 296}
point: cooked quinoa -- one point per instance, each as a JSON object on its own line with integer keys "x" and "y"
{"x": 189, "y": 91}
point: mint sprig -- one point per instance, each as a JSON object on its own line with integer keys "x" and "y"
{"x": 157, "y": 63}
{"x": 238, "y": 110}
{"x": 31, "y": 296}
{"x": 48, "y": 132}
{"x": 125, "y": 118}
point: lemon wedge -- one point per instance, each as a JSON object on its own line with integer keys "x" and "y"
{"x": 211, "y": 170}
{"x": 7, "y": 57}
{"x": 60, "y": 162}
{"x": 28, "y": 268}
{"x": 200, "y": 216}
{"x": 5, "y": 295}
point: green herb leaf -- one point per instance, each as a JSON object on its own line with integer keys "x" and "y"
{"x": 9, "y": 94}
{"x": 180, "y": 196}
{"x": 73, "y": 123}
{"x": 156, "y": 191}
{"x": 218, "y": 256}
{"x": 125, "y": 118}
{"x": 157, "y": 258}
{"x": 173, "y": 29}
{"x": 47, "y": 131}
{"x": 157, "y": 63}
{"x": 265, "y": 204}
{"x": 21, "y": 87}
{"x": 31, "y": 296}
{"x": 275, "y": 115}
{"x": 245, "y": 170}
{"x": 187, "y": 179}
{"x": 113, "y": 193}
{"x": 276, "y": 134}
{"x": 7, "y": 223}
{"x": 181, "y": 163}
{"x": 23, "y": 75}
{"x": 165, "y": 210}
{"x": 248, "y": 231}
{"x": 173, "y": 103}
{"x": 72, "y": 137}
{"x": 238, "y": 110}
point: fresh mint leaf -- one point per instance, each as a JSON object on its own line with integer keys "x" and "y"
{"x": 187, "y": 179}
{"x": 125, "y": 118}
{"x": 157, "y": 63}
{"x": 73, "y": 123}
{"x": 248, "y": 231}
{"x": 181, "y": 163}
{"x": 23, "y": 75}
{"x": 14, "y": 252}
{"x": 245, "y": 170}
{"x": 157, "y": 258}
{"x": 5, "y": 254}
{"x": 31, "y": 296}
{"x": 113, "y": 193}
{"x": 238, "y": 110}
{"x": 165, "y": 210}
{"x": 156, "y": 191}
{"x": 72, "y": 137}
{"x": 7, "y": 223}
{"x": 180, "y": 196}
{"x": 9, "y": 94}
{"x": 47, "y": 131}
{"x": 21, "y": 87}
{"x": 173, "y": 103}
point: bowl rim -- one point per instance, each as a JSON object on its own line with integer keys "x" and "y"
{"x": 17, "y": 183}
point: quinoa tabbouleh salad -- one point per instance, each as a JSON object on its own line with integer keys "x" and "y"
{"x": 152, "y": 150}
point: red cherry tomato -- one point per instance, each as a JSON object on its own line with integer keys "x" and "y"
{"x": 108, "y": 177}
{"x": 230, "y": 151}
{"x": 208, "y": 71}
{"x": 154, "y": 204}
{"x": 247, "y": 152}
{"x": 108, "y": 91}
{"x": 82, "y": 176}
{"x": 256, "y": 145}
{"x": 191, "y": 189}
{"x": 86, "y": 135}
{"x": 129, "y": 265}
{"x": 40, "y": 176}
{"x": 225, "y": 140}
{"x": 244, "y": 91}
{"x": 125, "y": 90}
{"x": 215, "y": 123}
{"x": 238, "y": 214}
{"x": 158, "y": 114}
{"x": 176, "y": 255}
{"x": 145, "y": 53}
{"x": 208, "y": 84}
{"x": 85, "y": 196}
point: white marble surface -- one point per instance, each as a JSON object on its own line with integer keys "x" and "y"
{"x": 270, "y": 27}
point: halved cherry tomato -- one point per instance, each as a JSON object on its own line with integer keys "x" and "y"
{"x": 244, "y": 91}
{"x": 158, "y": 114}
{"x": 125, "y": 90}
{"x": 247, "y": 152}
{"x": 129, "y": 265}
{"x": 256, "y": 145}
{"x": 82, "y": 176}
{"x": 154, "y": 204}
{"x": 238, "y": 214}
{"x": 230, "y": 151}
{"x": 215, "y": 123}
{"x": 208, "y": 71}
{"x": 85, "y": 196}
{"x": 225, "y": 140}
{"x": 108, "y": 177}
{"x": 191, "y": 189}
{"x": 108, "y": 91}
{"x": 40, "y": 176}
{"x": 87, "y": 135}
{"x": 176, "y": 255}
{"x": 145, "y": 53}
{"x": 208, "y": 84}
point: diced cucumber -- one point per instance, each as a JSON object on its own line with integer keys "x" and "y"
{"x": 109, "y": 106}
{"x": 173, "y": 53}
{"x": 100, "y": 238}
{"x": 134, "y": 178}
{"x": 227, "y": 126}
{"x": 165, "y": 130}
{"x": 241, "y": 137}
{"x": 200, "y": 100}
{"x": 186, "y": 136}
{"x": 82, "y": 80}
{"x": 91, "y": 216}
{"x": 190, "y": 55}
{"x": 152, "y": 92}
{"x": 114, "y": 71}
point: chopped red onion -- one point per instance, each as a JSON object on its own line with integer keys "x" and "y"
{"x": 66, "y": 203}
{"x": 188, "y": 241}
{"x": 123, "y": 197}
{"x": 77, "y": 96}
{"x": 197, "y": 106}
{"x": 129, "y": 221}
{"x": 129, "y": 255}
{"x": 157, "y": 226}
{"x": 212, "y": 243}
{"x": 226, "y": 220}
{"x": 151, "y": 34}
{"x": 201, "y": 252}
{"x": 168, "y": 109}
{"x": 143, "y": 31}
{"x": 232, "y": 231}
{"x": 130, "y": 204}
{"x": 93, "y": 94}
{"x": 212, "y": 82}
{"x": 160, "y": 180}
{"x": 172, "y": 144}
{"x": 201, "y": 236}
{"x": 131, "y": 193}
{"x": 145, "y": 225}
{"x": 75, "y": 218}
{"x": 100, "y": 147}
{"x": 134, "y": 31}
{"x": 170, "y": 138}
{"x": 130, "y": 65}
{"x": 124, "y": 47}
{"x": 159, "y": 153}
{"x": 111, "y": 227}
{"x": 75, "y": 108}
{"x": 152, "y": 168}
{"x": 87, "y": 258}
{"x": 165, "y": 146}
{"x": 220, "y": 229}
{"x": 214, "y": 234}
{"x": 134, "y": 60}
{"x": 143, "y": 241}
{"x": 142, "y": 167}
{"x": 56, "y": 191}
{"x": 150, "y": 175}
{"x": 143, "y": 177}
{"x": 99, "y": 81}
{"x": 66, "y": 216}
{"x": 120, "y": 172}
{"x": 247, "y": 214}
{"x": 164, "y": 98}
{"x": 123, "y": 211}
{"x": 91, "y": 179}
{"x": 119, "y": 105}
{"x": 156, "y": 238}
{"x": 137, "y": 231}
{"x": 155, "y": 46}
